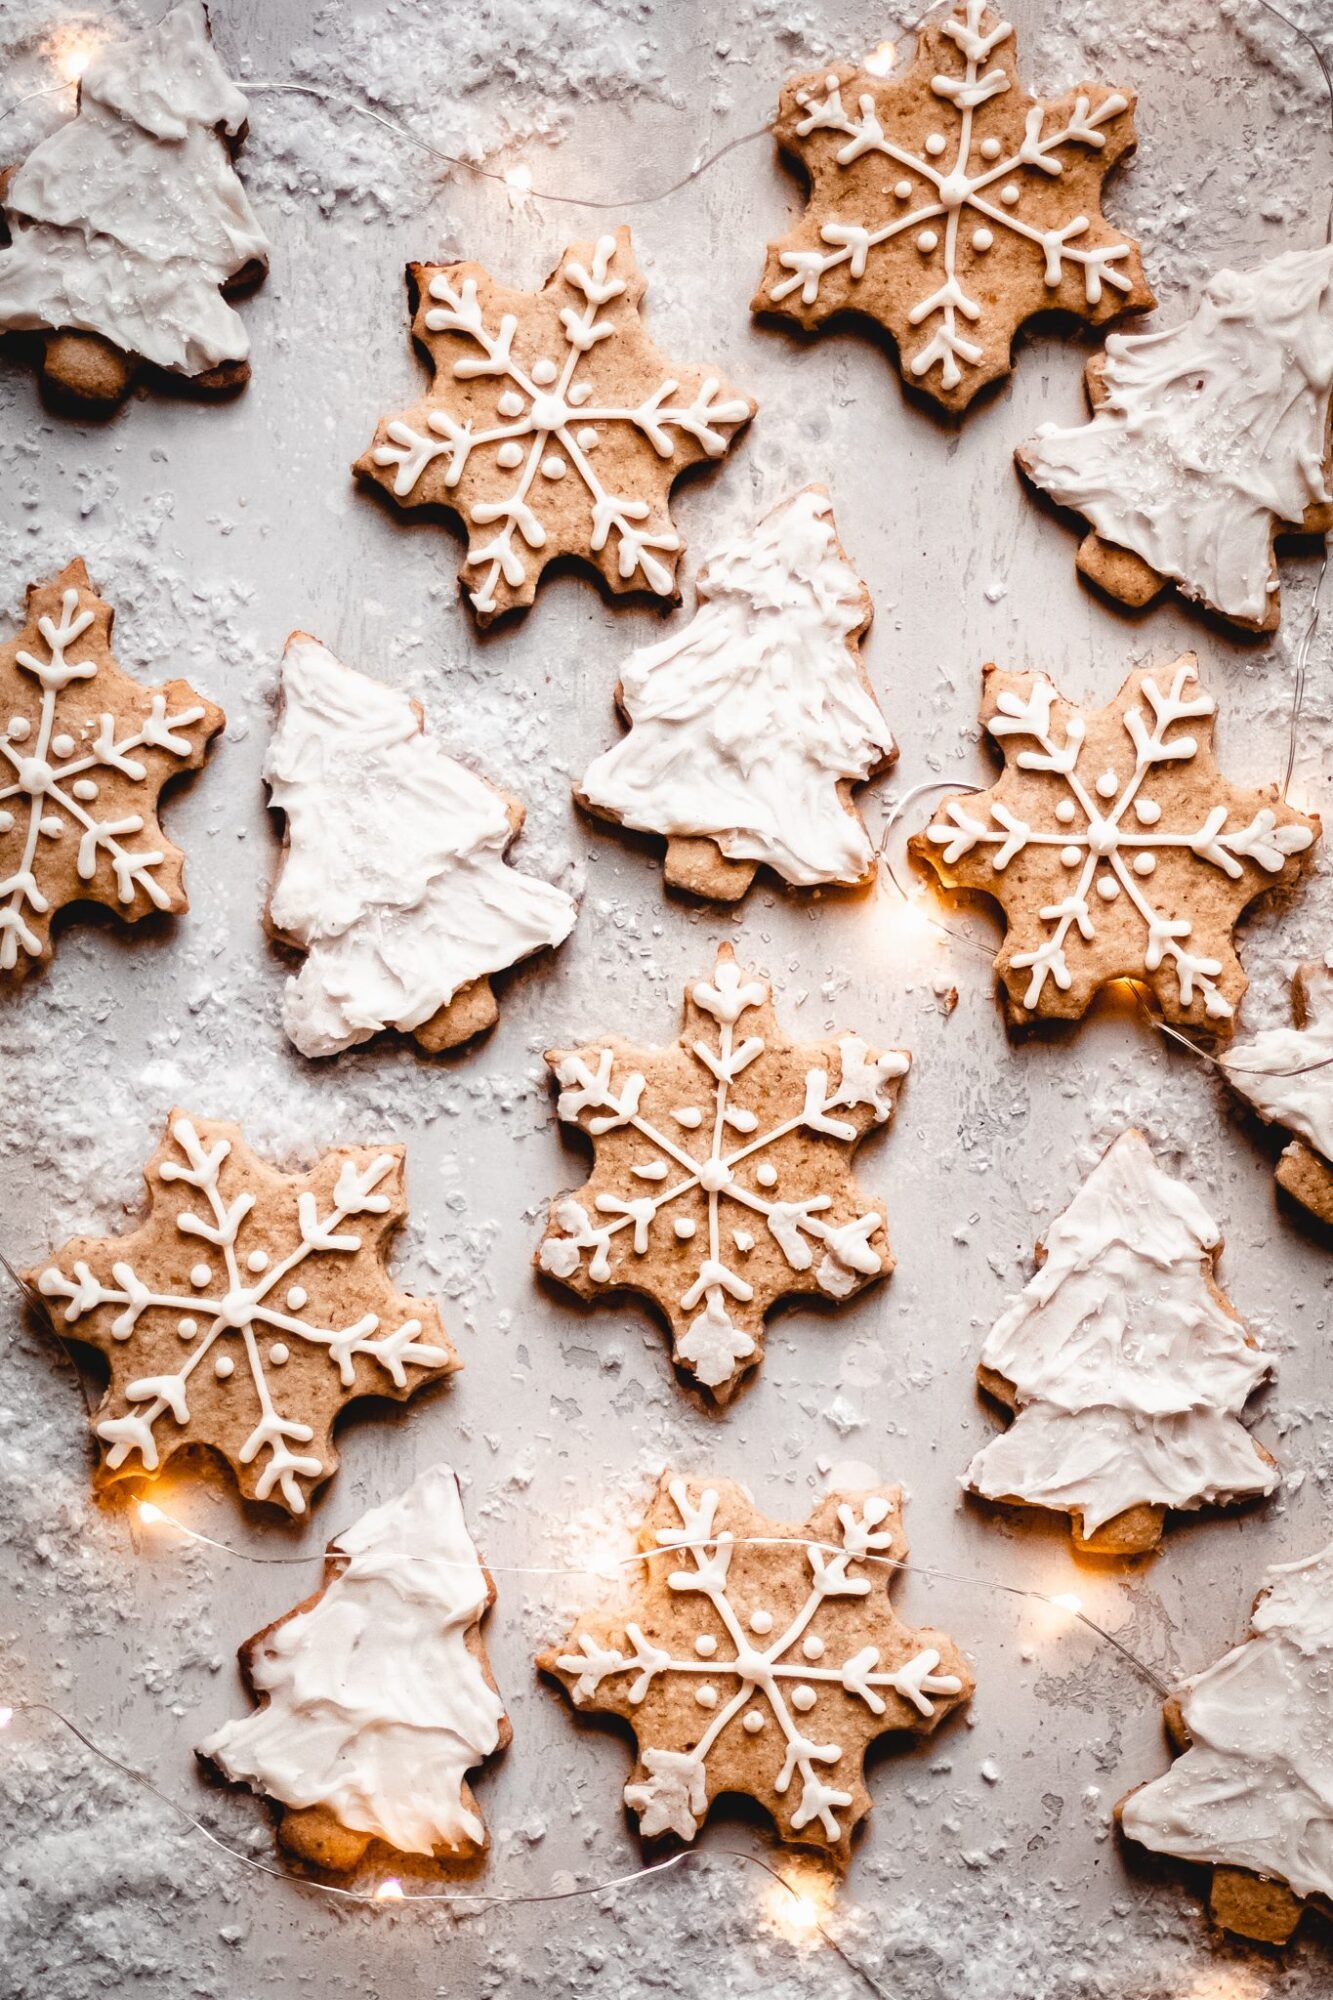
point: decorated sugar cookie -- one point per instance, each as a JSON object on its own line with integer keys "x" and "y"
{"x": 128, "y": 225}
{"x": 1207, "y": 441}
{"x": 1287, "y": 1075}
{"x": 1116, "y": 847}
{"x": 376, "y": 1695}
{"x": 749, "y": 728}
{"x": 1125, "y": 1365}
{"x": 949, "y": 206}
{"x": 84, "y": 754}
{"x": 1249, "y": 1792}
{"x": 722, "y": 1177}
{"x": 394, "y": 879}
{"x": 768, "y": 1670}
{"x": 246, "y": 1311}
{"x": 553, "y": 426}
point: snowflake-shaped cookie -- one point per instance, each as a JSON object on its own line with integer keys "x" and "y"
{"x": 1116, "y": 847}
{"x": 84, "y": 754}
{"x": 245, "y": 1313}
{"x": 554, "y": 426}
{"x": 949, "y": 206}
{"x": 755, "y": 1657}
{"x": 722, "y": 1180}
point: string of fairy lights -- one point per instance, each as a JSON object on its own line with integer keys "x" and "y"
{"x": 798, "y": 1909}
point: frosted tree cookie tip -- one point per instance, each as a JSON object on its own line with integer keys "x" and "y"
{"x": 1286, "y": 1075}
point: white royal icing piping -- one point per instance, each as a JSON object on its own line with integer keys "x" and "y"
{"x": 374, "y": 1706}
{"x": 1212, "y": 433}
{"x": 1255, "y": 1789}
{"x": 1304, "y": 1102}
{"x": 545, "y": 415}
{"x": 713, "y": 1346}
{"x": 128, "y": 219}
{"x": 674, "y": 1795}
{"x": 952, "y": 190}
{"x": 1110, "y": 830}
{"x": 395, "y": 881}
{"x": 744, "y": 723}
{"x": 1129, "y": 1373}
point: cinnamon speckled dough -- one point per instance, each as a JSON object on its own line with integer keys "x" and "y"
{"x": 767, "y": 1670}
{"x": 246, "y": 1311}
{"x": 553, "y": 426}
{"x": 949, "y": 206}
{"x": 85, "y": 752}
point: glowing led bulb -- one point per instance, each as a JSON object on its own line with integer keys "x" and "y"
{"x": 1066, "y": 1601}
{"x": 390, "y": 1891}
{"x": 149, "y": 1513}
{"x": 6, "y": 1717}
{"x": 880, "y": 61}
{"x": 519, "y": 178}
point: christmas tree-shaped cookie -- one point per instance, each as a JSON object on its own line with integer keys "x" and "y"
{"x": 128, "y": 224}
{"x": 376, "y": 1694}
{"x": 394, "y": 880}
{"x": 1207, "y": 441}
{"x": 749, "y": 728}
{"x": 1125, "y": 1365}
{"x": 1251, "y": 1791}
{"x": 1287, "y": 1075}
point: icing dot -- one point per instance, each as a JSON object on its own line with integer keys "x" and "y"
{"x": 187, "y": 1328}
{"x": 1009, "y": 193}
{"x": 62, "y": 745}
{"x": 1147, "y": 812}
{"x": 1107, "y": 888}
{"x": 742, "y": 1239}
{"x": 990, "y": 149}
{"x": 1107, "y": 785}
{"x": 19, "y": 728}
{"x": 982, "y": 239}
{"x": 812, "y": 1646}
{"x": 766, "y": 1174}
{"x": 803, "y": 1699}
{"x": 200, "y": 1276}
{"x": 685, "y": 1228}
{"x": 296, "y": 1297}
{"x": 544, "y": 372}
{"x": 510, "y": 404}
{"x": 554, "y": 467}
{"x": 257, "y": 1260}
{"x": 706, "y": 1696}
{"x": 705, "y": 1645}
{"x": 935, "y": 143}
{"x": 52, "y": 825}
{"x": 1071, "y": 856}
{"x": 1064, "y": 812}
{"x": 927, "y": 241}
{"x": 1144, "y": 864}
{"x": 509, "y": 455}
{"x": 7, "y": 819}
{"x": 279, "y": 1353}
{"x": 752, "y": 1721}
{"x": 580, "y": 393}
{"x": 902, "y": 189}
{"x": 586, "y": 439}
{"x": 761, "y": 1621}
{"x": 85, "y": 788}
{"x": 223, "y": 1367}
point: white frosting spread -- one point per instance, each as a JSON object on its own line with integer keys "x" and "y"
{"x": 1129, "y": 1371}
{"x": 373, "y": 1704}
{"x": 1303, "y": 1103}
{"x": 1255, "y": 1789}
{"x": 743, "y": 724}
{"x": 128, "y": 219}
{"x": 1211, "y": 432}
{"x": 395, "y": 880}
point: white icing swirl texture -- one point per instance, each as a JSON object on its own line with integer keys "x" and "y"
{"x": 1298, "y": 1091}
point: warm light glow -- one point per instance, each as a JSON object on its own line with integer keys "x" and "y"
{"x": 1229, "y": 1983}
{"x": 1067, "y": 1601}
{"x": 880, "y": 61}
{"x": 6, "y": 1717}
{"x": 71, "y": 50}
{"x": 149, "y": 1512}
{"x": 796, "y": 1905}
{"x": 390, "y": 1891}
{"x": 907, "y": 918}
{"x": 519, "y": 178}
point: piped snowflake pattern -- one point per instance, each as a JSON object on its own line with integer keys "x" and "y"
{"x": 993, "y": 215}
{"x": 766, "y": 1663}
{"x": 256, "y": 1275}
{"x": 1116, "y": 847}
{"x": 532, "y": 392}
{"x": 716, "y": 1232}
{"x": 84, "y": 753}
